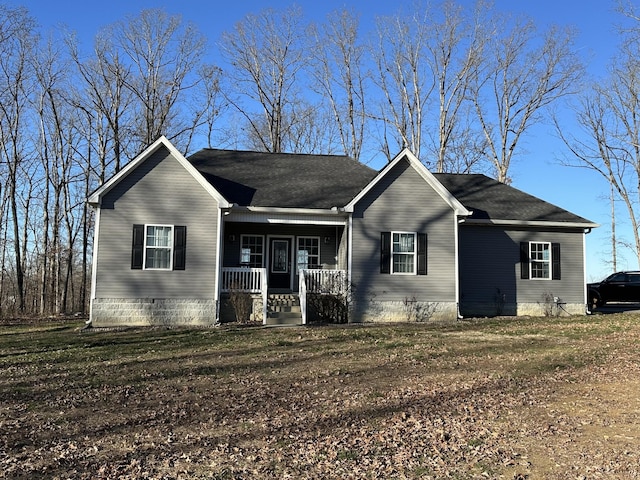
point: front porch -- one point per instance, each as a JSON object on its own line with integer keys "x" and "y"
{"x": 280, "y": 260}
{"x": 275, "y": 306}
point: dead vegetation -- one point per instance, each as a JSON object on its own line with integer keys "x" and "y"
{"x": 533, "y": 398}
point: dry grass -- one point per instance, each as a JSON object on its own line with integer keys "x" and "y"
{"x": 530, "y": 398}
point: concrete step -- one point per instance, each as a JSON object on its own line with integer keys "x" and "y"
{"x": 283, "y": 309}
{"x": 283, "y": 318}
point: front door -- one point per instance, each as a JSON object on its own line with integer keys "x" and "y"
{"x": 280, "y": 263}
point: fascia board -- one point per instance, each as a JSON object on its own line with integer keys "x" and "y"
{"x": 96, "y": 197}
{"x": 531, "y": 223}
{"x": 299, "y": 211}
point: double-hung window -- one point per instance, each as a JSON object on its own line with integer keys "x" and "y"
{"x": 159, "y": 247}
{"x": 540, "y": 264}
{"x": 403, "y": 253}
{"x": 252, "y": 250}
{"x": 540, "y": 260}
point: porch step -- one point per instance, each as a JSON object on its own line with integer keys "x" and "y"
{"x": 283, "y": 309}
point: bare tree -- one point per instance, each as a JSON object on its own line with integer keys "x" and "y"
{"x": 213, "y": 104}
{"x": 404, "y": 79}
{"x": 520, "y": 75}
{"x": 102, "y": 91}
{"x": 17, "y": 41}
{"x": 610, "y": 144}
{"x": 337, "y": 65}
{"x": 163, "y": 55}
{"x": 266, "y": 55}
{"x": 454, "y": 51}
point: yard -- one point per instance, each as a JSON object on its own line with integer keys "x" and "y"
{"x": 529, "y": 398}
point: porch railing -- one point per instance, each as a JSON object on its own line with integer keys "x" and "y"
{"x": 320, "y": 281}
{"x": 245, "y": 279}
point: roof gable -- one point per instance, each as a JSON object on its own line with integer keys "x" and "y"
{"x": 96, "y": 197}
{"x": 284, "y": 180}
{"x": 428, "y": 177}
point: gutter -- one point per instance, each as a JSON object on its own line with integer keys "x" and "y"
{"x": 531, "y": 223}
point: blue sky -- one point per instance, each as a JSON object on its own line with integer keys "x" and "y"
{"x": 536, "y": 169}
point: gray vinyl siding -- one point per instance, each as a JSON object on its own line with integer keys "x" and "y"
{"x": 158, "y": 191}
{"x": 328, "y": 248}
{"x": 403, "y": 201}
{"x": 490, "y": 267}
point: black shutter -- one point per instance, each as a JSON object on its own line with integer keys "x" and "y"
{"x": 555, "y": 261}
{"x": 179, "y": 247}
{"x": 524, "y": 260}
{"x": 422, "y": 254}
{"x": 385, "y": 252}
{"x": 137, "y": 249}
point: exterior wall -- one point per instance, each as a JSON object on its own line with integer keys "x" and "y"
{"x": 403, "y": 201}
{"x": 113, "y": 312}
{"x": 490, "y": 282}
{"x": 158, "y": 191}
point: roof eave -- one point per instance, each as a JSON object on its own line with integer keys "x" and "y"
{"x": 530, "y": 223}
{"x": 335, "y": 211}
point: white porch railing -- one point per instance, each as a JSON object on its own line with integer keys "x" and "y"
{"x": 245, "y": 279}
{"x": 320, "y": 281}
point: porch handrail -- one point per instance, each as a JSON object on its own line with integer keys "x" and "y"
{"x": 302, "y": 294}
{"x": 312, "y": 280}
{"x": 325, "y": 281}
{"x": 246, "y": 279}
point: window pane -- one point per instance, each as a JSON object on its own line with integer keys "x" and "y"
{"x": 403, "y": 242}
{"x": 402, "y": 263}
{"x": 158, "y": 258}
{"x": 158, "y": 236}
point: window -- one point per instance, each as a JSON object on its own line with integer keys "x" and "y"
{"x": 159, "y": 247}
{"x": 540, "y": 256}
{"x": 403, "y": 253}
{"x": 252, "y": 250}
{"x": 540, "y": 260}
{"x": 308, "y": 252}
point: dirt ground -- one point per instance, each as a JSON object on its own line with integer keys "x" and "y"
{"x": 505, "y": 399}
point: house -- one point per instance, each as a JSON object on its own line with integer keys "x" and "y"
{"x": 174, "y": 236}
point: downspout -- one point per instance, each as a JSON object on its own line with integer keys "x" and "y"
{"x": 349, "y": 254}
{"x": 586, "y": 232}
{"x": 456, "y": 228}
{"x": 94, "y": 266}
{"x": 218, "y": 270}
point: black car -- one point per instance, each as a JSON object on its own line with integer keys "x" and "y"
{"x": 617, "y": 287}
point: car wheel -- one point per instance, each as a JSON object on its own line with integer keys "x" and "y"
{"x": 595, "y": 300}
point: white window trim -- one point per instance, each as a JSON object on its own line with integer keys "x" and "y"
{"x": 304, "y": 237}
{"x": 414, "y": 253}
{"x": 170, "y": 248}
{"x": 550, "y": 261}
{"x": 245, "y": 235}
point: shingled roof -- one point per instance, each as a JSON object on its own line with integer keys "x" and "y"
{"x": 289, "y": 180}
{"x": 493, "y": 200}
{"x": 260, "y": 179}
